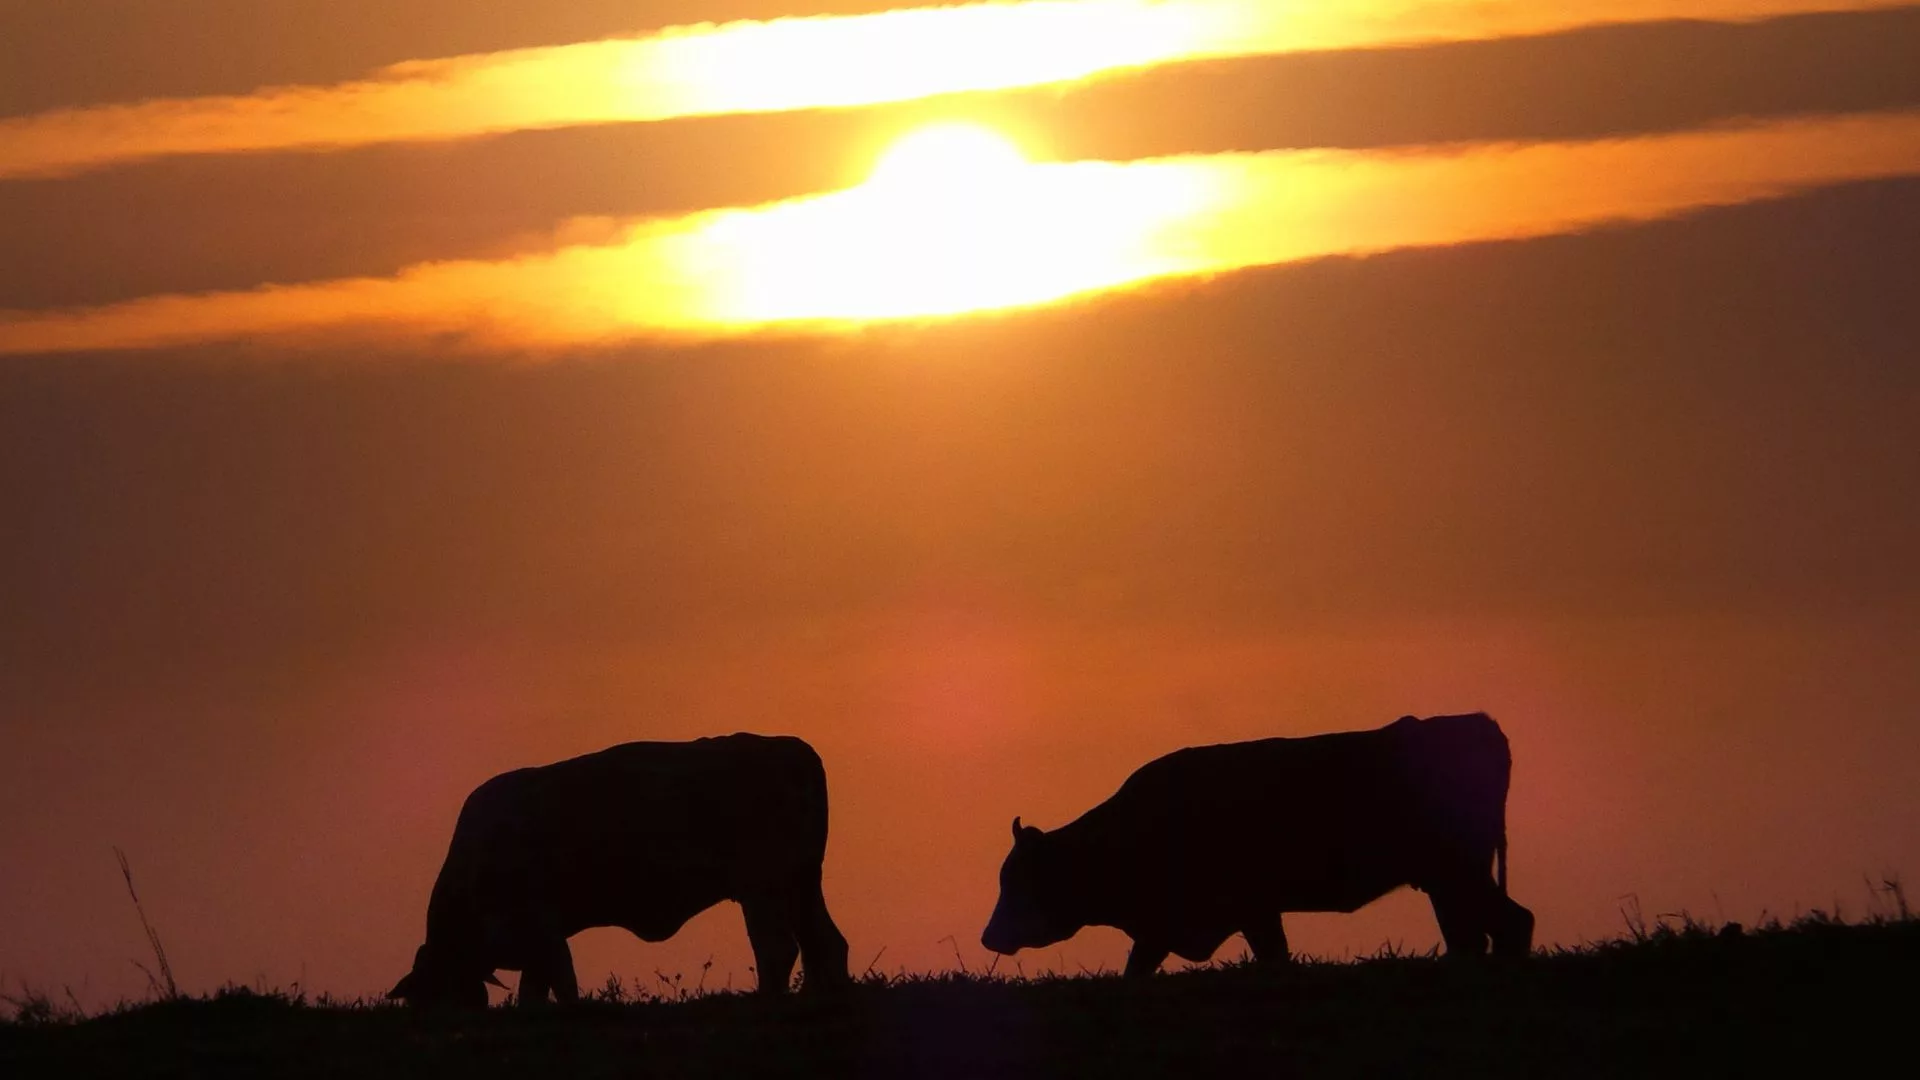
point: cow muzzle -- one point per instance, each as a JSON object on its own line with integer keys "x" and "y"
{"x": 996, "y": 939}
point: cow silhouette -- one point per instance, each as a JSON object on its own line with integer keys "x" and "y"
{"x": 1211, "y": 841}
{"x": 643, "y": 835}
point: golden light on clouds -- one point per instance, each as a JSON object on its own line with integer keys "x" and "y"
{"x": 783, "y": 64}
{"x": 955, "y": 221}
{"x": 795, "y": 63}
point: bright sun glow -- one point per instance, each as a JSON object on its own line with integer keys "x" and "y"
{"x": 954, "y": 218}
{"x": 947, "y": 157}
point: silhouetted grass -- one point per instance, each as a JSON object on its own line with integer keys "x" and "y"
{"x": 1673, "y": 996}
{"x": 162, "y": 985}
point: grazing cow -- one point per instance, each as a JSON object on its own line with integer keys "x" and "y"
{"x": 643, "y": 836}
{"x": 1213, "y": 840}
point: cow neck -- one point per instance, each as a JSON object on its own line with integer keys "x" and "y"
{"x": 452, "y": 926}
{"x": 1095, "y": 870}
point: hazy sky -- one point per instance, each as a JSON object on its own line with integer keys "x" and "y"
{"x": 572, "y": 382}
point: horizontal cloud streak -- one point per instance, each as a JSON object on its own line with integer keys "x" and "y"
{"x": 790, "y": 64}
{"x": 1047, "y": 232}
{"x": 204, "y": 224}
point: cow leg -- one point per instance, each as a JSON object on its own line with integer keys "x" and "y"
{"x": 770, "y": 932}
{"x": 532, "y": 992}
{"x": 1462, "y": 912}
{"x": 1476, "y": 913}
{"x": 823, "y": 949}
{"x": 549, "y": 969}
{"x": 1268, "y": 940}
{"x": 566, "y": 986}
{"x": 1145, "y": 959}
{"x": 1511, "y": 929}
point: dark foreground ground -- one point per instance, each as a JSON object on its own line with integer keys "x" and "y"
{"x": 1818, "y": 998}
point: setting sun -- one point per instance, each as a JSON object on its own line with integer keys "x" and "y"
{"x": 952, "y": 219}
{"x": 947, "y": 157}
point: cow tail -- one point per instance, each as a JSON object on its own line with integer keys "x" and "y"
{"x": 817, "y": 798}
{"x": 1506, "y": 779}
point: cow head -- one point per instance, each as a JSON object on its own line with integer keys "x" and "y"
{"x": 438, "y": 980}
{"x": 1036, "y": 905}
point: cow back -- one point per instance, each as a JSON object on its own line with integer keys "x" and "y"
{"x": 1326, "y": 822}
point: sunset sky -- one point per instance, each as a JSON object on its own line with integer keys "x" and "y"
{"x": 395, "y": 392}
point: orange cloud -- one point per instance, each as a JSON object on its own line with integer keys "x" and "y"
{"x": 1024, "y": 234}
{"x": 786, "y": 64}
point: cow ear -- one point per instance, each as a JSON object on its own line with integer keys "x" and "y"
{"x": 1016, "y": 829}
